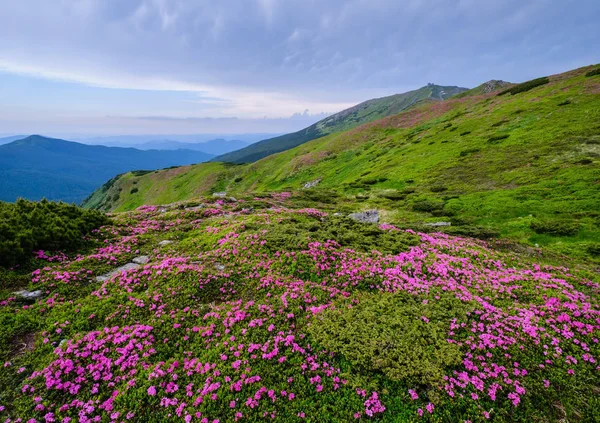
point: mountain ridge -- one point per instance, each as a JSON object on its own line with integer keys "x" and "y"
{"x": 437, "y": 162}
{"x": 352, "y": 117}
{"x": 38, "y": 167}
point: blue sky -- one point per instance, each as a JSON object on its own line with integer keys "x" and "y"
{"x": 102, "y": 67}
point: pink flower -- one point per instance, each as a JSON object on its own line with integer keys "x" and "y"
{"x": 430, "y": 408}
{"x": 152, "y": 391}
{"x": 413, "y": 395}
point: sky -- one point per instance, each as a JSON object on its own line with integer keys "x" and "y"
{"x": 110, "y": 67}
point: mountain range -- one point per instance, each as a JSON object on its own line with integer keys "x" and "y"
{"x": 38, "y": 167}
{"x": 362, "y": 113}
{"x": 521, "y": 161}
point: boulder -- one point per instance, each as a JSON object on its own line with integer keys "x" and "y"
{"x": 141, "y": 260}
{"x": 435, "y": 224}
{"x": 312, "y": 184}
{"x": 219, "y": 194}
{"x": 29, "y": 295}
{"x": 165, "y": 242}
{"x": 369, "y": 216}
{"x": 124, "y": 268}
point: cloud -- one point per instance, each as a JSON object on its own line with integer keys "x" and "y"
{"x": 269, "y": 57}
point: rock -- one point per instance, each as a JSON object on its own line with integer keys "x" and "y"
{"x": 338, "y": 214}
{"x": 141, "y": 260}
{"x": 312, "y": 184}
{"x": 369, "y": 216}
{"x": 124, "y": 268}
{"x": 435, "y": 224}
{"x": 165, "y": 242}
{"x": 219, "y": 194}
{"x": 33, "y": 295}
{"x": 195, "y": 208}
{"x": 219, "y": 267}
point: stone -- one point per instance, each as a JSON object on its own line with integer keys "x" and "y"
{"x": 219, "y": 194}
{"x": 369, "y": 216}
{"x": 312, "y": 184}
{"x": 141, "y": 260}
{"x": 435, "y": 224}
{"x": 33, "y": 295}
{"x": 195, "y": 208}
{"x": 219, "y": 267}
{"x": 124, "y": 268}
{"x": 165, "y": 242}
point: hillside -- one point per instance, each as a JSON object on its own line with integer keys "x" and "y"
{"x": 524, "y": 166}
{"x": 36, "y": 167}
{"x": 214, "y": 147}
{"x": 255, "y": 309}
{"x": 347, "y": 119}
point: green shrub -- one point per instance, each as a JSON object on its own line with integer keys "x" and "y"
{"x": 133, "y": 190}
{"x": 399, "y": 335}
{"x": 525, "y": 86}
{"x": 594, "y": 72}
{"x": 469, "y": 151}
{"x": 427, "y": 205}
{"x": 140, "y": 172}
{"x": 462, "y": 134}
{"x": 564, "y": 103}
{"x": 555, "y": 227}
{"x": 497, "y": 138}
{"x": 26, "y": 226}
{"x": 438, "y": 188}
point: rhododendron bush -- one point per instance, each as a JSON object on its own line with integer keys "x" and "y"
{"x": 273, "y": 313}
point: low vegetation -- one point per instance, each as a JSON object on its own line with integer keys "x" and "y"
{"x": 255, "y": 309}
{"x": 27, "y": 226}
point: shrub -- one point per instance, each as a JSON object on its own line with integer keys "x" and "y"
{"x": 594, "y": 72}
{"x": 564, "y": 103}
{"x": 26, "y": 226}
{"x": 399, "y": 335}
{"x": 428, "y": 205}
{"x": 495, "y": 139}
{"x": 133, "y": 190}
{"x": 469, "y": 151}
{"x": 438, "y": 188}
{"x": 555, "y": 227}
{"x": 525, "y": 86}
{"x": 462, "y": 134}
{"x": 140, "y": 172}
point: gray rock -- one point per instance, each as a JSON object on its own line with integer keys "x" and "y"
{"x": 435, "y": 224}
{"x": 124, "y": 268}
{"x": 369, "y": 216}
{"x": 195, "y": 208}
{"x": 165, "y": 242}
{"x": 219, "y": 267}
{"x": 338, "y": 214}
{"x": 312, "y": 184}
{"x": 33, "y": 295}
{"x": 219, "y": 194}
{"x": 141, "y": 260}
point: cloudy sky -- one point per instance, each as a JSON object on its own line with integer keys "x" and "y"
{"x": 232, "y": 66}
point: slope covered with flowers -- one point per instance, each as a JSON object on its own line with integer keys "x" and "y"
{"x": 256, "y": 311}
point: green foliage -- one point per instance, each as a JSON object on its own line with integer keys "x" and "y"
{"x": 400, "y": 335}
{"x": 555, "y": 227}
{"x": 27, "y": 226}
{"x": 497, "y": 138}
{"x": 594, "y": 72}
{"x": 134, "y": 190}
{"x": 295, "y": 233}
{"x": 428, "y": 205}
{"x": 525, "y": 86}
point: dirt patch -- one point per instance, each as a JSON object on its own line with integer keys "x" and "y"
{"x": 22, "y": 344}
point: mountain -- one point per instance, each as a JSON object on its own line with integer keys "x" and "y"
{"x": 524, "y": 165}
{"x": 485, "y": 88}
{"x": 347, "y": 119}
{"x": 6, "y": 140}
{"x": 36, "y": 167}
{"x": 215, "y": 147}
{"x": 135, "y": 140}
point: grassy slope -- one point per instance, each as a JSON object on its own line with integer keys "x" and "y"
{"x": 444, "y": 153}
{"x": 347, "y": 119}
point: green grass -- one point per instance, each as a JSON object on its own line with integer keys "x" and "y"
{"x": 522, "y": 158}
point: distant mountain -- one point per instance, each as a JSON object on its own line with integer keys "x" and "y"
{"x": 36, "y": 167}
{"x": 12, "y": 138}
{"x": 215, "y": 147}
{"x": 136, "y": 140}
{"x": 347, "y": 119}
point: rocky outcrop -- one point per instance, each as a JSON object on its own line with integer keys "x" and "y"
{"x": 369, "y": 216}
